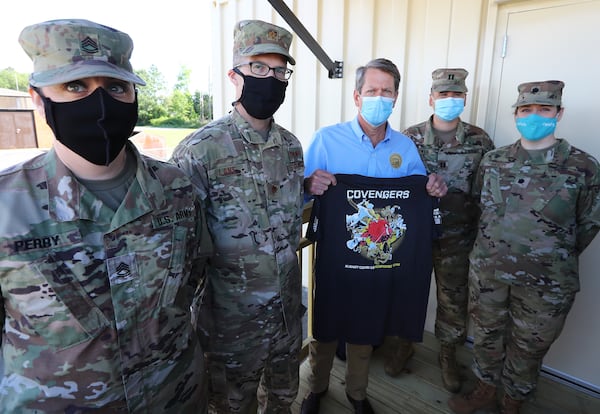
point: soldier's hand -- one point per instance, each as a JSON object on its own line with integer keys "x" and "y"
{"x": 318, "y": 182}
{"x": 436, "y": 186}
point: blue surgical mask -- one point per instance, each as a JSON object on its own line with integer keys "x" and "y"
{"x": 449, "y": 108}
{"x": 535, "y": 127}
{"x": 376, "y": 109}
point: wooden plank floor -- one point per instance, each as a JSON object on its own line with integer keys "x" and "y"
{"x": 419, "y": 390}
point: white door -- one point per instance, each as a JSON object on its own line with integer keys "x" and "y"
{"x": 557, "y": 40}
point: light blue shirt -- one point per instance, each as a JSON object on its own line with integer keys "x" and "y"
{"x": 345, "y": 149}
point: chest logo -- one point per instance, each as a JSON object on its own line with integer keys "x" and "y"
{"x": 395, "y": 160}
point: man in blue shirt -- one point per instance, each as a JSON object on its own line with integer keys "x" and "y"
{"x": 366, "y": 145}
{"x": 347, "y": 148}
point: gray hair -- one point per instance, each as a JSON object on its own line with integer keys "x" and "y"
{"x": 382, "y": 64}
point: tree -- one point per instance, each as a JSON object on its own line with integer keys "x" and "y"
{"x": 152, "y": 96}
{"x": 180, "y": 109}
{"x": 181, "y": 106}
{"x": 11, "y": 79}
{"x": 183, "y": 79}
{"x": 203, "y": 106}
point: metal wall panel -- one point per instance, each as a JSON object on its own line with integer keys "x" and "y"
{"x": 417, "y": 35}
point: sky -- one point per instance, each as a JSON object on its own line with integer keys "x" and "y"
{"x": 169, "y": 34}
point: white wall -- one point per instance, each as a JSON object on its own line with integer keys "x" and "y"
{"x": 418, "y": 35}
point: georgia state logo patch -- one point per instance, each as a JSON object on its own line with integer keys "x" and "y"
{"x": 395, "y": 160}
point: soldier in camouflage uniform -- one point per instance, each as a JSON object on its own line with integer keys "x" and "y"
{"x": 97, "y": 245}
{"x": 453, "y": 149}
{"x": 540, "y": 205}
{"x": 248, "y": 171}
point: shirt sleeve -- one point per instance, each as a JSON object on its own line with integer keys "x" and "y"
{"x": 415, "y": 166}
{"x": 316, "y": 155}
{"x": 588, "y": 211}
{"x": 2, "y": 316}
{"x": 194, "y": 168}
{"x": 478, "y": 183}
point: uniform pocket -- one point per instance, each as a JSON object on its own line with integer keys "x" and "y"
{"x": 232, "y": 189}
{"x": 59, "y": 309}
{"x": 458, "y": 169}
{"x": 491, "y": 192}
{"x": 284, "y": 174}
{"x": 558, "y": 203}
{"x": 174, "y": 280}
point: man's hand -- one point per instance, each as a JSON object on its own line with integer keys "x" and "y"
{"x": 318, "y": 182}
{"x": 436, "y": 186}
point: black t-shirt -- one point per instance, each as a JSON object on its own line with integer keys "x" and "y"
{"x": 373, "y": 258}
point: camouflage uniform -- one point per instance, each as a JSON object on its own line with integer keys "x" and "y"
{"x": 457, "y": 164}
{"x": 96, "y": 303}
{"x": 252, "y": 189}
{"x": 540, "y": 210}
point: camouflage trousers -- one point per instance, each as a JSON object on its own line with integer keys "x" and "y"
{"x": 514, "y": 327}
{"x": 451, "y": 267}
{"x": 257, "y": 360}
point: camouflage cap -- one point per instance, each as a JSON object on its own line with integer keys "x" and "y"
{"x": 255, "y": 37}
{"x": 70, "y": 49}
{"x": 540, "y": 92}
{"x": 449, "y": 79}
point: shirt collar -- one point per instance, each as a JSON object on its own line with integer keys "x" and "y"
{"x": 360, "y": 134}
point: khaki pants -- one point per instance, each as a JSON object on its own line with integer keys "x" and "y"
{"x": 321, "y": 356}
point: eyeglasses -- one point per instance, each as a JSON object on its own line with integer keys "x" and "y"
{"x": 262, "y": 69}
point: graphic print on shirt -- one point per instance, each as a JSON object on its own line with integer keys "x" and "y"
{"x": 375, "y": 233}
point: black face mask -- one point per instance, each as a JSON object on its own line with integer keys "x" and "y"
{"x": 95, "y": 127}
{"x": 261, "y": 97}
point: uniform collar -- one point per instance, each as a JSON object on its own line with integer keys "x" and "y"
{"x": 69, "y": 200}
{"x": 431, "y": 139}
{"x": 558, "y": 154}
{"x": 250, "y": 135}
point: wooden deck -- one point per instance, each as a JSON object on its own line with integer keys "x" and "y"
{"x": 419, "y": 390}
